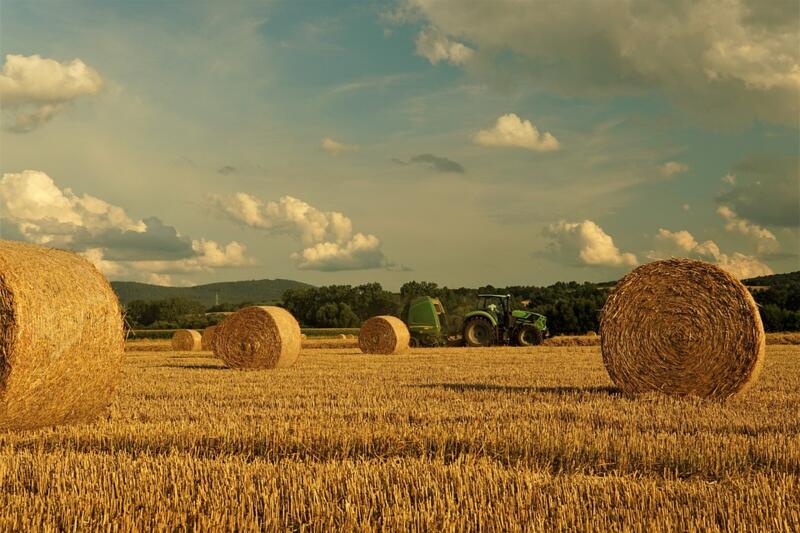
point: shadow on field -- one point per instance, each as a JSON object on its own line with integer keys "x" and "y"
{"x": 193, "y": 367}
{"x": 463, "y": 387}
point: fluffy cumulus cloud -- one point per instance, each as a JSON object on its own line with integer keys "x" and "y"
{"x": 328, "y": 237}
{"x": 683, "y": 244}
{"x": 336, "y": 148}
{"x": 586, "y": 243}
{"x": 435, "y": 46}
{"x": 511, "y": 130}
{"x": 721, "y": 59}
{"x": 765, "y": 240}
{"x": 670, "y": 168}
{"x": 35, "y": 209}
{"x": 34, "y": 89}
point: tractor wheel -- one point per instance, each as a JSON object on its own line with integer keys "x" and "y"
{"x": 413, "y": 342}
{"x": 479, "y": 332}
{"x": 529, "y": 336}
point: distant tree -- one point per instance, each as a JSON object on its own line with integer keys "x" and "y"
{"x": 339, "y": 305}
{"x": 412, "y": 289}
{"x": 163, "y": 313}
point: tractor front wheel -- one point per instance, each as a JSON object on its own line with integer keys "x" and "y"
{"x": 529, "y": 336}
{"x": 479, "y": 332}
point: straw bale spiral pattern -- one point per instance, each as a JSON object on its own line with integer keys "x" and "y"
{"x": 383, "y": 335}
{"x": 682, "y": 327}
{"x": 187, "y": 340}
{"x": 258, "y": 338}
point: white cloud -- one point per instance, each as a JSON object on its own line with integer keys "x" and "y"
{"x": 743, "y": 266}
{"x": 109, "y": 268}
{"x": 352, "y": 254}
{"x": 48, "y": 215}
{"x": 671, "y": 243}
{"x": 683, "y": 244}
{"x": 587, "y": 242}
{"x": 436, "y": 46}
{"x": 670, "y": 168}
{"x": 330, "y": 244}
{"x": 33, "y": 208}
{"x": 37, "y": 88}
{"x": 336, "y": 148}
{"x": 732, "y": 60}
{"x": 165, "y": 280}
{"x": 765, "y": 240}
{"x": 211, "y": 255}
{"x": 511, "y": 130}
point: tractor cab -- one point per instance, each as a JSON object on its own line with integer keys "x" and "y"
{"x": 498, "y": 305}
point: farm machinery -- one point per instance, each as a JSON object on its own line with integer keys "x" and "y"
{"x": 492, "y": 323}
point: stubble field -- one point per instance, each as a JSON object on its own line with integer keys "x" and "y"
{"x": 504, "y": 439}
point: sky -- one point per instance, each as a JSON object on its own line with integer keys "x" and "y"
{"x": 465, "y": 142}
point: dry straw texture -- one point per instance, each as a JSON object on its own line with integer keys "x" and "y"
{"x": 257, "y": 338}
{"x": 187, "y": 340}
{"x": 208, "y": 337}
{"x": 61, "y": 338}
{"x": 682, "y": 327}
{"x": 572, "y": 340}
{"x": 383, "y": 335}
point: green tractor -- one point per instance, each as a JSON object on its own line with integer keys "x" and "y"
{"x": 493, "y": 323}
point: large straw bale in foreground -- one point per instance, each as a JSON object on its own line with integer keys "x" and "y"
{"x": 258, "y": 337}
{"x": 682, "y": 327}
{"x": 383, "y": 335}
{"x": 208, "y": 337}
{"x": 187, "y": 340}
{"x": 61, "y": 338}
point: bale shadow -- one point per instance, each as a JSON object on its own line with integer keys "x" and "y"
{"x": 561, "y": 391}
{"x": 193, "y": 367}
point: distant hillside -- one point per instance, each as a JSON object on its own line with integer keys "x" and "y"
{"x": 774, "y": 279}
{"x": 234, "y": 292}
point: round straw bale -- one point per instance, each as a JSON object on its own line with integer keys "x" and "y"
{"x": 682, "y": 327}
{"x": 383, "y": 335}
{"x": 61, "y": 338}
{"x": 187, "y": 340}
{"x": 342, "y": 336}
{"x": 208, "y": 337}
{"x": 257, "y": 338}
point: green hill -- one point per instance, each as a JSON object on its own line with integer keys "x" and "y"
{"x": 775, "y": 279}
{"x": 234, "y": 292}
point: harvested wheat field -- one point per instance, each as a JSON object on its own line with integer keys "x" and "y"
{"x": 504, "y": 439}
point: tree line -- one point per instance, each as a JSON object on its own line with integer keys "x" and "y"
{"x": 570, "y": 307}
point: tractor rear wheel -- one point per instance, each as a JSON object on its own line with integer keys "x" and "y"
{"x": 479, "y": 332}
{"x": 529, "y": 336}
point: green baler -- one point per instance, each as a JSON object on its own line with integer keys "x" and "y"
{"x": 427, "y": 322}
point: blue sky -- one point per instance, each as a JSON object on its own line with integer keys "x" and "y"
{"x": 345, "y": 142}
